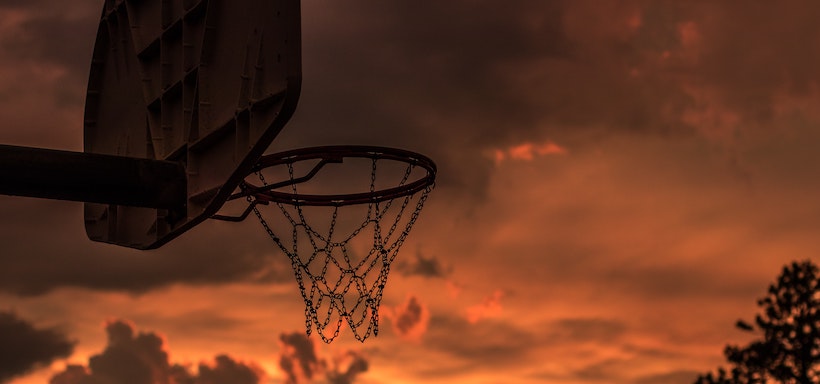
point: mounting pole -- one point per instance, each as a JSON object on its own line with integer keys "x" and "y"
{"x": 91, "y": 177}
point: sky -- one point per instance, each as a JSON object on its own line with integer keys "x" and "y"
{"x": 618, "y": 183}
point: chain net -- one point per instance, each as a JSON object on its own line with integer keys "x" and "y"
{"x": 340, "y": 282}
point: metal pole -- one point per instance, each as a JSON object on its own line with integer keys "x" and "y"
{"x": 90, "y": 177}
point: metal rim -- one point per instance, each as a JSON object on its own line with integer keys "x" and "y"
{"x": 337, "y": 154}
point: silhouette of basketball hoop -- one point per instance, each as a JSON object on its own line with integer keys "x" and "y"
{"x": 184, "y": 97}
{"x": 338, "y": 283}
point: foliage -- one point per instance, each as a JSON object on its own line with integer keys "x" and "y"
{"x": 789, "y": 351}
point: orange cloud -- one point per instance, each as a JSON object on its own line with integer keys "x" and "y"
{"x": 409, "y": 320}
{"x": 710, "y": 115}
{"x": 690, "y": 39}
{"x": 453, "y": 289}
{"x": 490, "y": 307}
{"x": 688, "y": 33}
{"x": 528, "y": 151}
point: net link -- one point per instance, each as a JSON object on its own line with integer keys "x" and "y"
{"x": 354, "y": 292}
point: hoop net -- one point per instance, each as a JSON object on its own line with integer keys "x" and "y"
{"x": 342, "y": 264}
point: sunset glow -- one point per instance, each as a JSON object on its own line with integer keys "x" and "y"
{"x": 619, "y": 181}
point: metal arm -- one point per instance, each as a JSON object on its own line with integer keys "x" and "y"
{"x": 93, "y": 178}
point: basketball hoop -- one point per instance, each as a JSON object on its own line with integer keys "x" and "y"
{"x": 341, "y": 266}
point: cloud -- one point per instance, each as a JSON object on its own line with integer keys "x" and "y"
{"x": 54, "y": 35}
{"x": 675, "y": 377}
{"x": 534, "y": 70}
{"x": 623, "y": 370}
{"x": 130, "y": 358}
{"x": 564, "y": 349}
{"x": 140, "y": 358}
{"x": 423, "y": 266}
{"x": 489, "y": 307}
{"x": 26, "y": 347}
{"x": 347, "y": 368}
{"x": 301, "y": 363}
{"x": 603, "y": 371}
{"x": 45, "y": 57}
{"x": 298, "y": 358}
{"x": 73, "y": 374}
{"x": 477, "y": 78}
{"x": 568, "y": 71}
{"x": 214, "y": 253}
{"x": 585, "y": 329}
{"x": 228, "y": 371}
{"x": 480, "y": 347}
{"x": 599, "y": 232}
{"x": 528, "y": 151}
{"x": 614, "y": 351}
{"x": 410, "y": 320}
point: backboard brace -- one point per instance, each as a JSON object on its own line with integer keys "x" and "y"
{"x": 183, "y": 98}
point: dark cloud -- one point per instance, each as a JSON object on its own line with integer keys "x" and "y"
{"x": 457, "y": 63}
{"x": 53, "y": 33}
{"x": 26, "y": 347}
{"x": 619, "y": 370}
{"x": 411, "y": 316}
{"x": 227, "y": 371}
{"x": 22, "y": 4}
{"x": 614, "y": 335}
{"x": 212, "y": 253}
{"x": 604, "y": 371}
{"x": 130, "y": 358}
{"x": 572, "y": 260}
{"x": 52, "y": 38}
{"x": 142, "y": 358}
{"x": 347, "y": 368}
{"x": 486, "y": 343}
{"x": 45, "y": 5}
{"x": 301, "y": 363}
{"x": 493, "y": 343}
{"x": 667, "y": 282}
{"x": 676, "y": 377}
{"x": 409, "y": 320}
{"x": 430, "y": 78}
{"x": 750, "y": 66}
{"x": 298, "y": 359}
{"x": 454, "y": 79}
{"x": 611, "y": 371}
{"x": 450, "y": 79}
{"x": 584, "y": 329}
{"x": 399, "y": 63}
{"x": 73, "y": 374}
{"x": 423, "y": 266}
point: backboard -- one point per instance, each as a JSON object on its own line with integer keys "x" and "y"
{"x": 207, "y": 84}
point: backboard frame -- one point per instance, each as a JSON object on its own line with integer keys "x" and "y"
{"x": 207, "y": 84}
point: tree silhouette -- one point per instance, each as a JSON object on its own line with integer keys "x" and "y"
{"x": 789, "y": 351}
